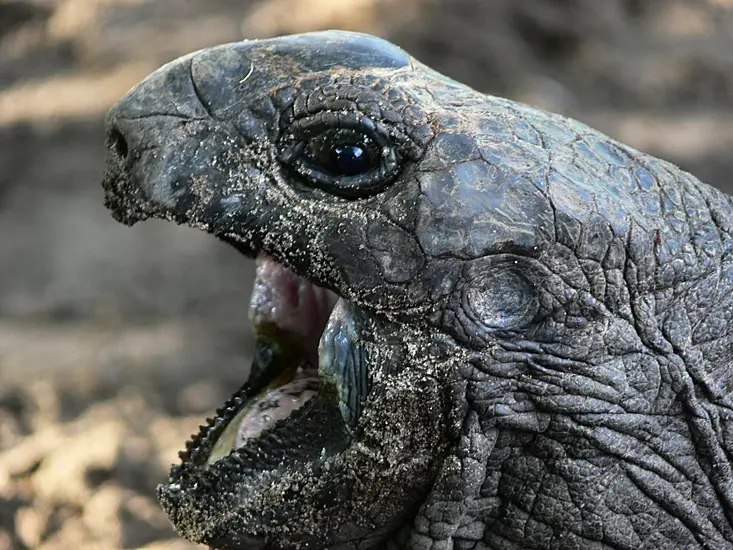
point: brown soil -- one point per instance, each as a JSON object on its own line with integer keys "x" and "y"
{"x": 116, "y": 342}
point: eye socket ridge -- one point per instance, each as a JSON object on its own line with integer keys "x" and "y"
{"x": 344, "y": 153}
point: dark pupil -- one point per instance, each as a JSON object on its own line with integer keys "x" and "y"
{"x": 349, "y": 160}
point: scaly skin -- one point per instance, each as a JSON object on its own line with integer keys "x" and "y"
{"x": 542, "y": 313}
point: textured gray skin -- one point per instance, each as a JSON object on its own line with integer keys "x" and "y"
{"x": 545, "y": 313}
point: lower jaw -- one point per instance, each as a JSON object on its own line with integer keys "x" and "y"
{"x": 276, "y": 403}
{"x": 202, "y": 493}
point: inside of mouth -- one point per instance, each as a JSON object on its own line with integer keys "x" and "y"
{"x": 289, "y": 315}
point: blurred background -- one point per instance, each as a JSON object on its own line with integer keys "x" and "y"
{"x": 115, "y": 342}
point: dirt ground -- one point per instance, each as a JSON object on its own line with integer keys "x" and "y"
{"x": 115, "y": 342}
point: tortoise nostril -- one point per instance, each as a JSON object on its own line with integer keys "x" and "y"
{"x": 118, "y": 142}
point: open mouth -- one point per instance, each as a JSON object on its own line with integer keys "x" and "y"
{"x": 277, "y": 446}
{"x": 293, "y": 407}
{"x": 289, "y": 315}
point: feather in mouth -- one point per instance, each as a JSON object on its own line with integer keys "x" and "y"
{"x": 289, "y": 315}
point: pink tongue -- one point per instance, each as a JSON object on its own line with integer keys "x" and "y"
{"x": 292, "y": 304}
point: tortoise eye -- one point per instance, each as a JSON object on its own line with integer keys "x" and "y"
{"x": 342, "y": 153}
{"x": 350, "y": 160}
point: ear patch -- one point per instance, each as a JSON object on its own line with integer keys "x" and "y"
{"x": 503, "y": 302}
{"x": 496, "y": 293}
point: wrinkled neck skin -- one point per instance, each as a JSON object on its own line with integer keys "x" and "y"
{"x": 545, "y": 312}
